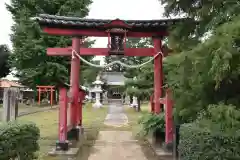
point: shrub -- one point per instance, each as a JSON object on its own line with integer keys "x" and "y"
{"x": 215, "y": 135}
{"x": 152, "y": 123}
{"x": 18, "y": 141}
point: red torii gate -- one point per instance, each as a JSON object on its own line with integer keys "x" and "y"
{"x": 41, "y": 89}
{"x": 117, "y": 31}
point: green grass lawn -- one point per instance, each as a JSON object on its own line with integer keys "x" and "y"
{"x": 48, "y": 125}
{"x": 92, "y": 121}
{"x": 133, "y": 117}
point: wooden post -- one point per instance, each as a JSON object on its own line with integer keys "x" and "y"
{"x": 74, "y": 80}
{"x": 169, "y": 117}
{"x": 78, "y": 108}
{"x": 81, "y": 96}
{"x": 51, "y": 97}
{"x": 158, "y": 82}
{"x": 39, "y": 96}
{"x": 73, "y": 133}
{"x": 62, "y": 143}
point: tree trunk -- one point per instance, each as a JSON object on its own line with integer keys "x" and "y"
{"x": 131, "y": 99}
{"x": 139, "y": 105}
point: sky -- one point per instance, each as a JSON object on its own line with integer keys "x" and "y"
{"x": 99, "y": 9}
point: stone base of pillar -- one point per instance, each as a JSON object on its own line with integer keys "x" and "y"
{"x": 73, "y": 134}
{"x": 62, "y": 146}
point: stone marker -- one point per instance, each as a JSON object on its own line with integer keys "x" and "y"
{"x": 10, "y": 104}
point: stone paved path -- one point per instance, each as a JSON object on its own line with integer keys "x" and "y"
{"x": 116, "y": 117}
{"x": 116, "y": 145}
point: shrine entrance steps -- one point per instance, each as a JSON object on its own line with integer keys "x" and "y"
{"x": 116, "y": 145}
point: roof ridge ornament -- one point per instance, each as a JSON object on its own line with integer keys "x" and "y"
{"x": 117, "y": 35}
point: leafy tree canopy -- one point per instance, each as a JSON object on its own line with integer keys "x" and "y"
{"x": 4, "y": 57}
{"x": 140, "y": 80}
{"x": 29, "y": 43}
{"x": 206, "y": 68}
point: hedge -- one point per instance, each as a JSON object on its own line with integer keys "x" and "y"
{"x": 201, "y": 143}
{"x": 18, "y": 141}
{"x": 151, "y": 123}
{"x": 214, "y": 135}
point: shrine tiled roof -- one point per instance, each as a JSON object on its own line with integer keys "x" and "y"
{"x": 75, "y": 22}
{"x": 114, "y": 78}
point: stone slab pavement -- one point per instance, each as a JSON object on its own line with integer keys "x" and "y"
{"x": 116, "y": 116}
{"x": 116, "y": 145}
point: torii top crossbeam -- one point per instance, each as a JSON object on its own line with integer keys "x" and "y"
{"x": 69, "y": 26}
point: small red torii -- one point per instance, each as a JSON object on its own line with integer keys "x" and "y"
{"x": 41, "y": 89}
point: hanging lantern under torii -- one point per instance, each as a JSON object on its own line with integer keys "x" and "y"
{"x": 117, "y": 36}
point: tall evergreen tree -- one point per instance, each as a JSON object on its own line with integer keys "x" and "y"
{"x": 206, "y": 67}
{"x": 4, "y": 58}
{"x": 140, "y": 80}
{"x": 29, "y": 43}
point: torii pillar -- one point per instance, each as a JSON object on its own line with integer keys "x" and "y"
{"x": 74, "y": 107}
{"x": 158, "y": 74}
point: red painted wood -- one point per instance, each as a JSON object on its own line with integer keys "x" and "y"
{"x": 157, "y": 76}
{"x": 62, "y": 129}
{"x": 117, "y": 23}
{"x": 46, "y": 90}
{"x": 41, "y": 89}
{"x": 45, "y": 86}
{"x": 77, "y": 114}
{"x": 51, "y": 96}
{"x": 169, "y": 117}
{"x": 39, "y": 96}
{"x": 83, "y": 51}
{"x": 162, "y": 100}
{"x": 139, "y": 52}
{"x": 81, "y": 98}
{"x": 100, "y": 51}
{"x": 74, "y": 82}
{"x": 97, "y": 33}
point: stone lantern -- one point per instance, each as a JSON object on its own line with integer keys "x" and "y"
{"x": 97, "y": 90}
{"x": 135, "y": 101}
